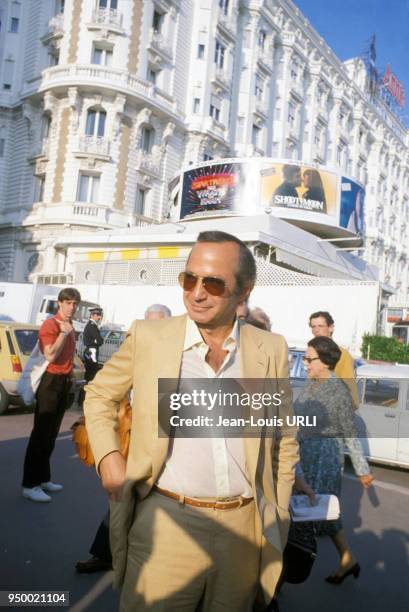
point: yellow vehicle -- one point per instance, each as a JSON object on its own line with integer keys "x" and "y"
{"x": 17, "y": 340}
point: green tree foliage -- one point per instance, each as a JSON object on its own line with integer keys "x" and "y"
{"x": 384, "y": 349}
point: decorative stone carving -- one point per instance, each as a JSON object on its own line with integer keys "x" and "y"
{"x": 30, "y": 113}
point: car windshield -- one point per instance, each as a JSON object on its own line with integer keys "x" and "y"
{"x": 26, "y": 339}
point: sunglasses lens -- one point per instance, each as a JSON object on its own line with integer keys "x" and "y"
{"x": 214, "y": 286}
{"x": 187, "y": 281}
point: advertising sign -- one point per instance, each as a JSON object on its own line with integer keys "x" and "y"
{"x": 352, "y": 206}
{"x": 304, "y": 194}
{"x": 211, "y": 188}
{"x": 299, "y": 186}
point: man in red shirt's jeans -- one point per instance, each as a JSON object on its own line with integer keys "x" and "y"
{"x": 57, "y": 342}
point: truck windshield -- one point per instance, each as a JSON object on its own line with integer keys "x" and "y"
{"x": 26, "y": 339}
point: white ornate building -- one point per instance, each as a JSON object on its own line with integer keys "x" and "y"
{"x": 103, "y": 101}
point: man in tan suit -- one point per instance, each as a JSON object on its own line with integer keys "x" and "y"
{"x": 194, "y": 522}
{"x": 322, "y": 324}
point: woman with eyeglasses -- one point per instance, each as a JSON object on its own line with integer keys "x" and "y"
{"x": 322, "y": 448}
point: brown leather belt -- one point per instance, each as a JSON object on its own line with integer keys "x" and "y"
{"x": 237, "y": 502}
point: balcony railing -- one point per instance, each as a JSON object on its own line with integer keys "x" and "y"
{"x": 221, "y": 78}
{"x": 93, "y": 145}
{"x": 107, "y": 17}
{"x": 159, "y": 43}
{"x": 148, "y": 163}
{"x": 99, "y": 76}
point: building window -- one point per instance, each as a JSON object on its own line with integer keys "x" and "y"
{"x": 109, "y": 4}
{"x": 214, "y": 110}
{"x": 255, "y": 135}
{"x": 152, "y": 75}
{"x": 8, "y": 74}
{"x": 140, "y": 201}
{"x": 2, "y": 146}
{"x": 54, "y": 57}
{"x": 262, "y": 37}
{"x": 200, "y": 51}
{"x": 224, "y": 5}
{"x": 258, "y": 88}
{"x": 147, "y": 138}
{"x": 196, "y": 105}
{"x": 88, "y": 187}
{"x": 219, "y": 54}
{"x": 95, "y": 123}
{"x": 157, "y": 21}
{"x": 101, "y": 56}
{"x": 207, "y": 157}
{"x": 45, "y": 126}
{"x": 39, "y": 188}
{"x": 291, "y": 113}
{"x": 14, "y": 22}
{"x": 59, "y": 6}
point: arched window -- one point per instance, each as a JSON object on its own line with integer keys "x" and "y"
{"x": 95, "y": 125}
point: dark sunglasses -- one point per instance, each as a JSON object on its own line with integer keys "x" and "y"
{"x": 309, "y": 359}
{"x": 214, "y": 286}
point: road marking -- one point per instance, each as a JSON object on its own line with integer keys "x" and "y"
{"x": 93, "y": 594}
{"x": 388, "y": 486}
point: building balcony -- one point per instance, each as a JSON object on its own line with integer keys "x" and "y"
{"x": 227, "y": 24}
{"x": 101, "y": 77}
{"x": 76, "y": 213}
{"x": 208, "y": 125}
{"x": 148, "y": 163}
{"x": 158, "y": 44}
{"x": 297, "y": 89}
{"x": 261, "y": 109}
{"x": 266, "y": 61}
{"x": 107, "y": 19}
{"x": 54, "y": 28}
{"x": 220, "y": 79}
{"x": 92, "y": 146}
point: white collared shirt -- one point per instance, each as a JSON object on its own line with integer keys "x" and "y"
{"x": 207, "y": 467}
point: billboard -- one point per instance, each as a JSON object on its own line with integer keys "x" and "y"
{"x": 352, "y": 206}
{"x": 304, "y": 194}
{"x": 299, "y": 186}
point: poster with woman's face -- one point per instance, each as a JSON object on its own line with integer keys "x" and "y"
{"x": 299, "y": 187}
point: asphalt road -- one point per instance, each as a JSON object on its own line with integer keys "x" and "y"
{"x": 39, "y": 544}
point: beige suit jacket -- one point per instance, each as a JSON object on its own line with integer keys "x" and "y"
{"x": 152, "y": 350}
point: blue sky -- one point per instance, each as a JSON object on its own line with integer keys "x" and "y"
{"x": 347, "y": 26}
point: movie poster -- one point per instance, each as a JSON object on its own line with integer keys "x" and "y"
{"x": 352, "y": 206}
{"x": 300, "y": 187}
{"x": 212, "y": 188}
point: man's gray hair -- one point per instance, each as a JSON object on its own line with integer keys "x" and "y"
{"x": 159, "y": 308}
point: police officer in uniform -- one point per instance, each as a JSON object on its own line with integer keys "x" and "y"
{"x": 92, "y": 341}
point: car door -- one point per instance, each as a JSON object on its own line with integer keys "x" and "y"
{"x": 403, "y": 434}
{"x": 379, "y": 412}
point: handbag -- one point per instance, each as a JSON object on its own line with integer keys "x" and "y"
{"x": 30, "y": 378}
{"x": 81, "y": 440}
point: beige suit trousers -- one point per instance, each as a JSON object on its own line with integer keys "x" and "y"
{"x": 184, "y": 559}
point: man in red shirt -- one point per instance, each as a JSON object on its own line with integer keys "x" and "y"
{"x": 57, "y": 342}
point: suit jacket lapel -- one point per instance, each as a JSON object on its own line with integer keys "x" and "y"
{"x": 254, "y": 364}
{"x": 169, "y": 363}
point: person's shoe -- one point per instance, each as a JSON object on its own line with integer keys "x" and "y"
{"x": 36, "y": 494}
{"x": 95, "y": 564}
{"x": 354, "y": 571}
{"x": 51, "y": 487}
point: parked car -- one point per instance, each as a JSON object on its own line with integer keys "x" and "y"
{"x": 383, "y": 415}
{"x": 17, "y": 340}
